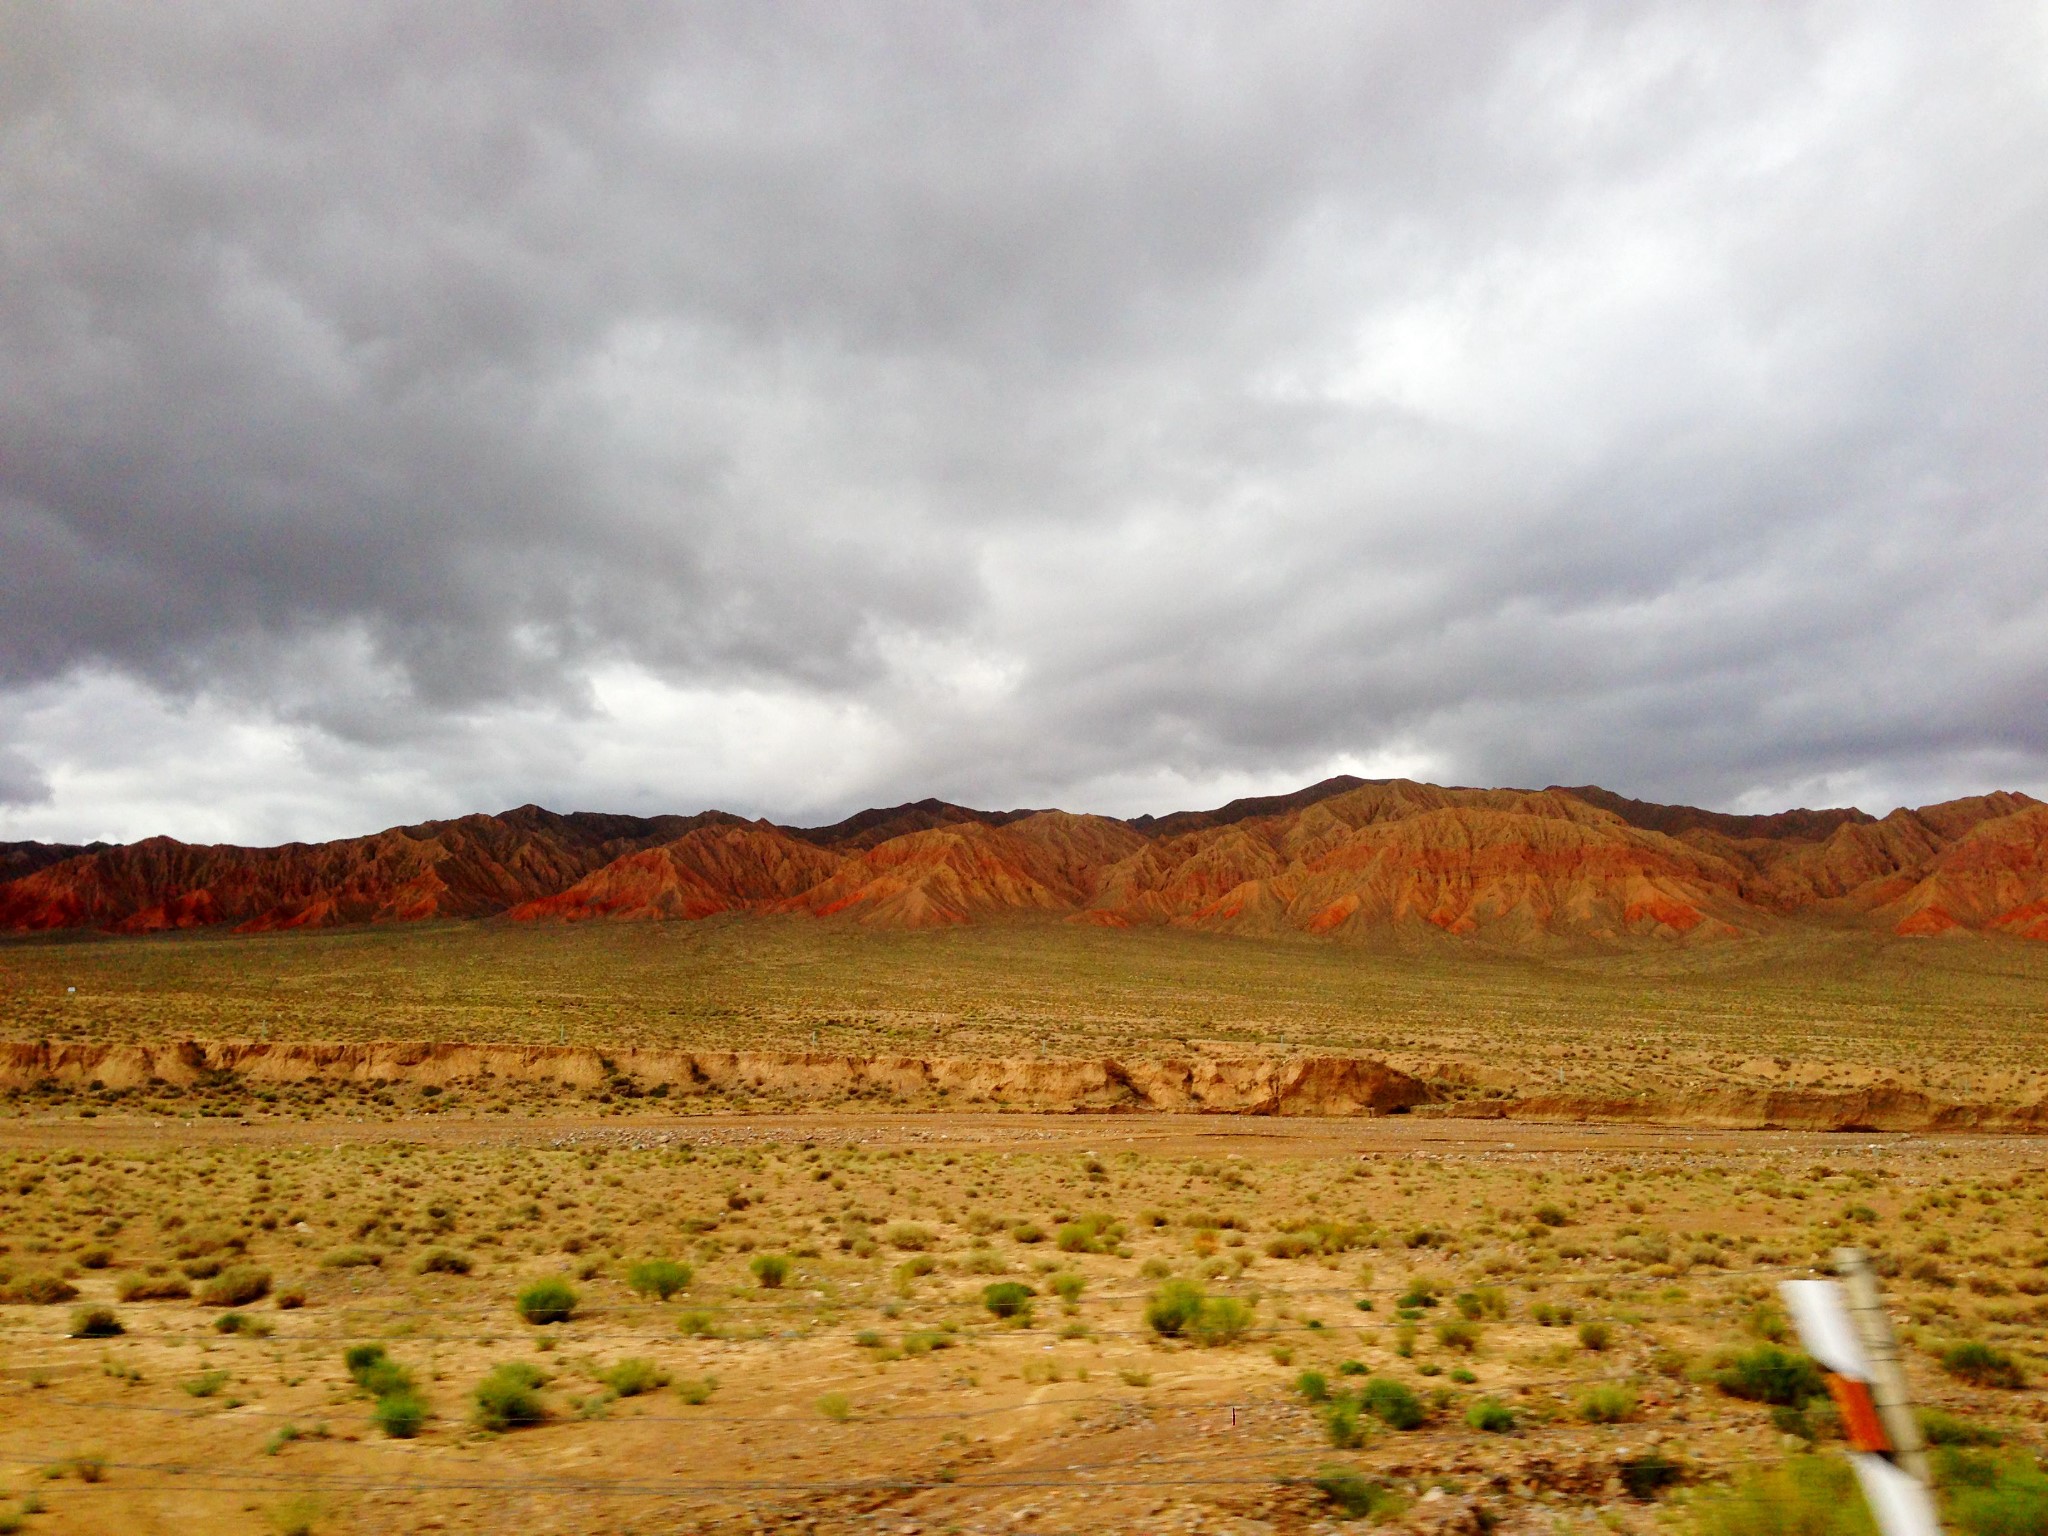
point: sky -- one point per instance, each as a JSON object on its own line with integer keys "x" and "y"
{"x": 413, "y": 410}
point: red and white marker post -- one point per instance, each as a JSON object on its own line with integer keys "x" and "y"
{"x": 1844, "y": 1326}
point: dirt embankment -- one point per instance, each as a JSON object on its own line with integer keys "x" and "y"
{"x": 1308, "y": 1085}
{"x": 1888, "y": 1108}
{"x": 1328, "y": 1086}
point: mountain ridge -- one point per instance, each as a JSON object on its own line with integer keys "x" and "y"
{"x": 1344, "y": 858}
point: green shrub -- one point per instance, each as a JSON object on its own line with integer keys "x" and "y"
{"x": 1391, "y": 1403}
{"x": 1982, "y": 1365}
{"x": 548, "y": 1301}
{"x": 1222, "y": 1320}
{"x": 1608, "y": 1404}
{"x": 1172, "y": 1309}
{"x": 1068, "y": 1286}
{"x": 1993, "y": 1496}
{"x": 235, "y": 1287}
{"x": 1458, "y": 1333}
{"x": 1942, "y": 1428}
{"x": 1768, "y": 1374}
{"x": 1313, "y": 1386}
{"x": 95, "y": 1323}
{"x": 241, "y": 1323}
{"x": 696, "y": 1390}
{"x": 658, "y": 1277}
{"x": 1008, "y": 1298}
{"x": 1341, "y": 1423}
{"x": 1491, "y": 1416}
{"x": 375, "y": 1371}
{"x": 1806, "y": 1496}
{"x": 401, "y": 1414}
{"x": 1095, "y": 1233}
{"x": 151, "y": 1288}
{"x": 1595, "y": 1336}
{"x": 770, "y": 1270}
{"x": 509, "y": 1397}
{"x": 910, "y": 1237}
{"x": 633, "y": 1376}
{"x": 697, "y": 1324}
{"x": 836, "y": 1406}
{"x": 1356, "y": 1496}
{"x": 206, "y": 1383}
{"x": 443, "y": 1261}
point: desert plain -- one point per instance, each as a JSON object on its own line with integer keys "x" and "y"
{"x": 779, "y": 1224}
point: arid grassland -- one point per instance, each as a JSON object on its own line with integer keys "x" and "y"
{"x": 979, "y": 1324}
{"x": 1960, "y": 1019}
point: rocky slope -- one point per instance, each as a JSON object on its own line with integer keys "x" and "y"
{"x": 1346, "y": 857}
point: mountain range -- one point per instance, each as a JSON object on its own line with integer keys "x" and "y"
{"x": 1346, "y": 857}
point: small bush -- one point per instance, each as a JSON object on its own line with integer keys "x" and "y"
{"x": 633, "y": 1376}
{"x": 1068, "y": 1286}
{"x": 1392, "y": 1404}
{"x": 1223, "y": 1320}
{"x": 1313, "y": 1386}
{"x": 1983, "y": 1365}
{"x": 375, "y": 1371}
{"x": 39, "y": 1291}
{"x": 206, "y": 1383}
{"x": 99, "y": 1256}
{"x": 1172, "y": 1309}
{"x": 235, "y": 1287}
{"x": 770, "y": 1270}
{"x": 95, "y": 1323}
{"x": 1341, "y": 1423}
{"x": 1942, "y": 1428}
{"x": 401, "y": 1415}
{"x": 911, "y": 1237}
{"x": 696, "y": 1390}
{"x": 697, "y": 1325}
{"x": 354, "y": 1256}
{"x": 1595, "y": 1336}
{"x": 1767, "y": 1374}
{"x": 1458, "y": 1333}
{"x": 1096, "y": 1233}
{"x": 1993, "y": 1496}
{"x": 1552, "y": 1216}
{"x": 1356, "y": 1496}
{"x": 241, "y": 1323}
{"x": 836, "y": 1406}
{"x": 548, "y": 1301}
{"x": 1608, "y": 1404}
{"x": 658, "y": 1277}
{"x": 1647, "y": 1475}
{"x": 444, "y": 1261}
{"x": 1008, "y": 1298}
{"x": 1806, "y": 1496}
{"x": 152, "y": 1288}
{"x": 1491, "y": 1416}
{"x": 509, "y": 1397}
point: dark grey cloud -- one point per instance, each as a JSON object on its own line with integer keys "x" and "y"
{"x": 404, "y": 410}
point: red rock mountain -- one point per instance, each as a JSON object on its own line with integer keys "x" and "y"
{"x": 1346, "y": 857}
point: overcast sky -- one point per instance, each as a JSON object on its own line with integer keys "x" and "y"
{"x": 408, "y": 410}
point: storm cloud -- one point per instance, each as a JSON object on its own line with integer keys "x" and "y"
{"x": 409, "y": 410}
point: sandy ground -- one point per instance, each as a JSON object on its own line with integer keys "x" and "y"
{"x": 1085, "y": 1421}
